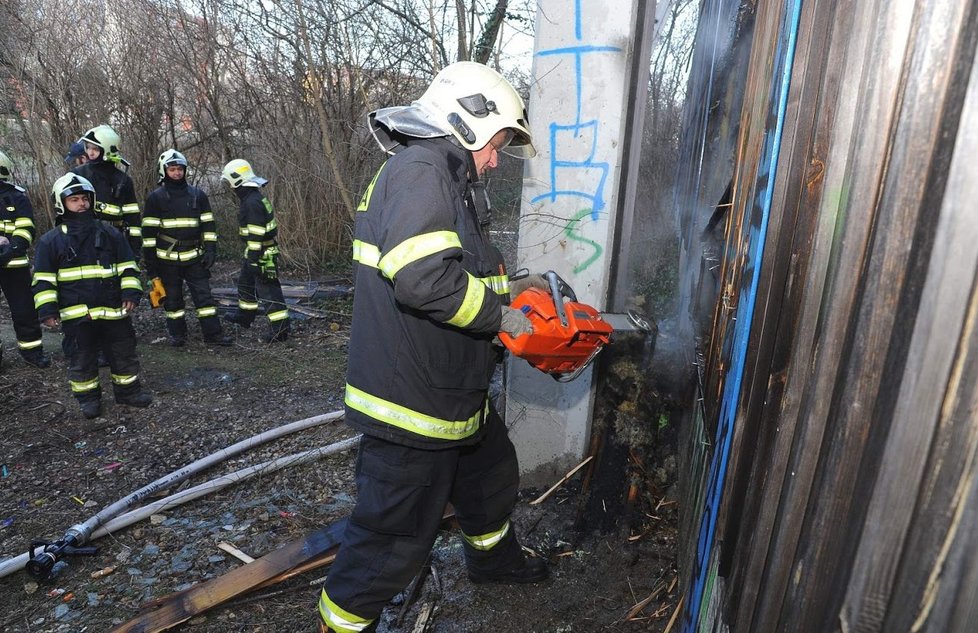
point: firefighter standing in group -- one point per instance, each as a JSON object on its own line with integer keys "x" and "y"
{"x": 431, "y": 295}
{"x": 259, "y": 266}
{"x": 85, "y": 277}
{"x": 116, "y": 195}
{"x": 180, "y": 244}
{"x": 16, "y": 235}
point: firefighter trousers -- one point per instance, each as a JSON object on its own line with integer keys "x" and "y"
{"x": 402, "y": 493}
{"x": 198, "y": 281}
{"x": 15, "y": 285}
{"x": 118, "y": 339}
{"x": 252, "y": 287}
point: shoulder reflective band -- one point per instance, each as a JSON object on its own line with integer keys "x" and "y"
{"x": 365, "y": 199}
{"x": 415, "y": 248}
{"x": 475, "y": 294}
{"x": 413, "y": 421}
{"x": 486, "y": 542}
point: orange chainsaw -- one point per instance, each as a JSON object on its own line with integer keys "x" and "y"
{"x": 567, "y": 336}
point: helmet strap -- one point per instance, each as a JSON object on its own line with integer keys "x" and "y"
{"x": 477, "y": 194}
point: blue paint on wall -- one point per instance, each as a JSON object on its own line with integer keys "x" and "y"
{"x": 573, "y": 145}
{"x": 756, "y": 237}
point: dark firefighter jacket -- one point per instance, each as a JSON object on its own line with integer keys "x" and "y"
{"x": 84, "y": 268}
{"x": 429, "y": 287}
{"x": 177, "y": 223}
{"x": 256, "y": 223}
{"x": 16, "y": 223}
{"x": 115, "y": 196}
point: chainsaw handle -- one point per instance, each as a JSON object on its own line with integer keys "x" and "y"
{"x": 558, "y": 290}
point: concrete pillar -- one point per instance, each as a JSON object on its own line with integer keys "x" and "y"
{"x": 581, "y": 101}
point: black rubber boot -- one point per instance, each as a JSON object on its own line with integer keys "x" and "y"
{"x": 219, "y": 339}
{"x": 528, "y": 571}
{"x": 238, "y": 317}
{"x": 276, "y": 336}
{"x": 136, "y": 399}
{"x": 90, "y": 408}
{"x": 37, "y": 358}
{"x": 176, "y": 330}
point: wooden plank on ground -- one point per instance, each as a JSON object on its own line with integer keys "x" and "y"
{"x": 182, "y": 606}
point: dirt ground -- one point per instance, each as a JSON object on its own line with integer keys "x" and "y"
{"x": 59, "y": 470}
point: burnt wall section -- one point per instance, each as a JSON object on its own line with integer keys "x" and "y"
{"x": 852, "y": 461}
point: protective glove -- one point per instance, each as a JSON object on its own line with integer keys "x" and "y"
{"x": 518, "y": 285}
{"x": 514, "y": 322}
{"x": 209, "y": 257}
{"x": 6, "y": 253}
{"x": 267, "y": 264}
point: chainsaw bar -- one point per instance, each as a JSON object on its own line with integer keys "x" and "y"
{"x": 627, "y": 322}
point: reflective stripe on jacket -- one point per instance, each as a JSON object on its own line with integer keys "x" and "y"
{"x": 257, "y": 227}
{"x": 115, "y": 197}
{"x": 84, "y": 270}
{"x": 16, "y": 223}
{"x": 426, "y": 302}
{"x": 177, "y": 223}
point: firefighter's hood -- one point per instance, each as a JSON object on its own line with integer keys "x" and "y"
{"x": 389, "y": 126}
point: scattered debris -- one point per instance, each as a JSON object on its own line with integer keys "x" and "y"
{"x": 563, "y": 480}
{"x": 182, "y": 606}
{"x": 234, "y": 551}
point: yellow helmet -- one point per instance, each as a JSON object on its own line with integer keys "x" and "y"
{"x": 70, "y": 185}
{"x": 474, "y": 102}
{"x": 108, "y": 139}
{"x": 6, "y": 168}
{"x": 238, "y": 173}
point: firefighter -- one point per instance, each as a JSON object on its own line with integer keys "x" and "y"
{"x": 76, "y": 155}
{"x": 114, "y": 190}
{"x": 431, "y": 295}
{"x": 16, "y": 235}
{"x": 259, "y": 265}
{"x": 180, "y": 244}
{"x": 85, "y": 277}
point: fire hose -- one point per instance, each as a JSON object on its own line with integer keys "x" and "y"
{"x": 42, "y": 557}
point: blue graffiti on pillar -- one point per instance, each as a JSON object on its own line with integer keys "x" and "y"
{"x": 573, "y": 145}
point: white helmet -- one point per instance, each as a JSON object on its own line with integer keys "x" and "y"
{"x": 239, "y": 173}
{"x": 106, "y": 138}
{"x": 70, "y": 185}
{"x": 474, "y": 102}
{"x": 6, "y": 168}
{"x": 168, "y": 158}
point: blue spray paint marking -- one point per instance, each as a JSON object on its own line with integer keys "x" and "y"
{"x": 757, "y": 235}
{"x": 573, "y": 146}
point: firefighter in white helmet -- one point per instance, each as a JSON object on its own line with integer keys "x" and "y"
{"x": 431, "y": 295}
{"x": 180, "y": 245}
{"x": 114, "y": 190}
{"x": 16, "y": 235}
{"x": 258, "y": 230}
{"x": 86, "y": 279}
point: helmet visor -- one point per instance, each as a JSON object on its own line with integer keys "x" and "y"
{"x": 520, "y": 146}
